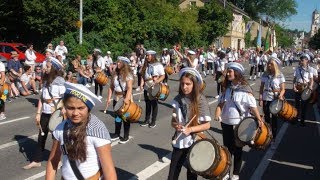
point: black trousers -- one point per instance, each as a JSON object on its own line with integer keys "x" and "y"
{"x": 126, "y": 125}
{"x": 253, "y": 69}
{"x": 44, "y": 123}
{"x": 261, "y": 68}
{"x": 178, "y": 158}
{"x": 301, "y": 106}
{"x": 229, "y": 142}
{"x": 151, "y": 107}
{"x": 270, "y": 118}
{"x": 219, "y": 85}
{"x": 210, "y": 66}
{"x": 96, "y": 86}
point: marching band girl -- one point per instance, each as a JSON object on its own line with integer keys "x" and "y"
{"x": 272, "y": 87}
{"x": 165, "y": 60}
{"x": 187, "y": 104}
{"x": 253, "y": 65}
{"x": 220, "y": 67}
{"x": 83, "y": 140}
{"x": 121, "y": 84}
{"x": 236, "y": 102}
{"x": 152, "y": 73}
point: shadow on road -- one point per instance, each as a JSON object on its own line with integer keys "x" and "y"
{"x": 159, "y": 151}
{"x": 33, "y": 101}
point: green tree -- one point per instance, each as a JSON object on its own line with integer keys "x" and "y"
{"x": 283, "y": 36}
{"x": 314, "y": 42}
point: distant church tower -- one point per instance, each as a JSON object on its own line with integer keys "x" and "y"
{"x": 315, "y": 22}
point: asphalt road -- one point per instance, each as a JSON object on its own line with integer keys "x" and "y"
{"x": 147, "y": 154}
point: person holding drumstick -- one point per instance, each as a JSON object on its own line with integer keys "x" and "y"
{"x": 52, "y": 92}
{"x": 236, "y": 102}
{"x": 191, "y": 115}
{"x": 303, "y": 78}
{"x": 152, "y": 73}
{"x": 272, "y": 87}
{"x": 82, "y": 140}
{"x": 121, "y": 85}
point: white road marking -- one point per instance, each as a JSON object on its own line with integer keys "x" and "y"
{"x": 23, "y": 140}
{"x": 14, "y": 120}
{"x": 292, "y": 164}
{"x": 258, "y": 173}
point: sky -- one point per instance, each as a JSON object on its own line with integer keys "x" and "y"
{"x": 302, "y": 20}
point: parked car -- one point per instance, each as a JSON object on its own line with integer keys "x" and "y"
{"x": 7, "y": 48}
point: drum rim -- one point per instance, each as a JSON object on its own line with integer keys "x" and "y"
{"x": 280, "y": 109}
{"x": 215, "y": 162}
{"x": 303, "y": 92}
{"x": 238, "y": 125}
{"x": 118, "y": 111}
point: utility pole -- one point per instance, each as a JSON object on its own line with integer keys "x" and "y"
{"x": 80, "y": 19}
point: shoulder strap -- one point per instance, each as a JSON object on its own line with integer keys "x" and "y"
{"x": 54, "y": 102}
{"x": 118, "y": 78}
{"x": 73, "y": 165}
{"x": 182, "y": 106}
{"x": 238, "y": 109}
{"x": 300, "y": 71}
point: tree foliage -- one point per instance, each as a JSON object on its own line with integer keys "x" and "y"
{"x": 284, "y": 38}
{"x": 314, "y": 42}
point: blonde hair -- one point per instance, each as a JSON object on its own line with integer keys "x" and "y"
{"x": 275, "y": 66}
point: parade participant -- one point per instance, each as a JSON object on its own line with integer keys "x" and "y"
{"x": 27, "y": 82}
{"x": 220, "y": 64}
{"x": 121, "y": 85}
{"x": 202, "y": 61}
{"x": 85, "y": 74}
{"x": 165, "y": 60}
{"x": 253, "y": 65}
{"x": 272, "y": 87}
{"x": 52, "y": 92}
{"x": 108, "y": 63}
{"x": 187, "y": 104}
{"x": 188, "y": 59}
{"x": 30, "y": 57}
{"x": 152, "y": 73}
{"x": 83, "y": 140}
{"x": 260, "y": 62}
{"x": 98, "y": 66}
{"x": 211, "y": 57}
{"x": 14, "y": 73}
{"x": 236, "y": 102}
{"x": 303, "y": 78}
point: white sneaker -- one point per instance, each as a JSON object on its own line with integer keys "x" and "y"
{"x": 88, "y": 85}
{"x": 235, "y": 177}
{"x": 92, "y": 84}
{"x": 217, "y": 96}
{"x": 100, "y": 97}
{"x": 2, "y": 116}
{"x": 226, "y": 177}
{"x": 138, "y": 89}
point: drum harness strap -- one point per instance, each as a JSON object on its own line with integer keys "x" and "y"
{"x": 52, "y": 99}
{"x": 238, "y": 109}
{"x": 123, "y": 94}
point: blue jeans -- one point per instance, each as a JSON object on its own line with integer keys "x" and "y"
{"x": 82, "y": 80}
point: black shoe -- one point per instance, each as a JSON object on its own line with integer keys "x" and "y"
{"x": 114, "y": 136}
{"x": 123, "y": 140}
{"x": 152, "y": 125}
{"x": 144, "y": 123}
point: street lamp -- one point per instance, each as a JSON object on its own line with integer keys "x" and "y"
{"x": 80, "y": 19}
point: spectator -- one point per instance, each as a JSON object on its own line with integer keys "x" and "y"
{"x": 62, "y": 49}
{"x": 30, "y": 57}
{"x": 14, "y": 71}
{"x": 38, "y": 76}
{"x": 26, "y": 82}
{"x": 109, "y": 63}
{"x": 85, "y": 74}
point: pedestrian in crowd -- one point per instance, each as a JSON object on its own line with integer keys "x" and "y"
{"x": 61, "y": 49}
{"x": 187, "y": 104}
{"x": 121, "y": 85}
{"x": 27, "y": 82}
{"x": 38, "y": 77}
{"x": 152, "y": 73}
{"x": 272, "y": 87}
{"x": 85, "y": 74}
{"x": 108, "y": 63}
{"x": 14, "y": 73}
{"x": 303, "y": 78}
{"x": 260, "y": 63}
{"x": 220, "y": 71}
{"x": 30, "y": 57}
{"x": 98, "y": 67}
{"x": 82, "y": 140}
{"x": 236, "y": 102}
{"x": 5, "y": 92}
{"x": 52, "y": 92}
{"x": 49, "y": 56}
{"x": 49, "y": 46}
{"x": 253, "y": 64}
{"x": 165, "y": 60}
{"x": 210, "y": 61}
{"x": 202, "y": 61}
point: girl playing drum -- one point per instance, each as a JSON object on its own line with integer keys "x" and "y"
{"x": 188, "y": 105}
{"x": 236, "y": 101}
{"x": 272, "y": 87}
{"x": 121, "y": 84}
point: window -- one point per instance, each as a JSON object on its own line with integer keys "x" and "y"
{"x": 8, "y": 49}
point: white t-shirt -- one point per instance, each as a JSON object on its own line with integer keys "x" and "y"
{"x": 230, "y": 57}
{"x": 302, "y": 75}
{"x": 108, "y": 61}
{"x": 165, "y": 59}
{"x": 221, "y": 64}
{"x": 211, "y": 56}
{"x": 155, "y": 69}
{"x": 57, "y": 91}
{"x": 25, "y": 78}
{"x": 244, "y": 101}
{"x": 30, "y": 57}
{"x": 101, "y": 63}
{"x": 195, "y": 63}
{"x": 61, "y": 50}
{"x": 87, "y": 168}
{"x": 116, "y": 83}
{"x": 271, "y": 84}
{"x": 202, "y": 59}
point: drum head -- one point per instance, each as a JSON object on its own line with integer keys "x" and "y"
{"x": 202, "y": 155}
{"x": 155, "y": 90}
{"x": 306, "y": 94}
{"x": 276, "y": 106}
{"x": 247, "y": 129}
{"x": 119, "y": 104}
{"x": 55, "y": 119}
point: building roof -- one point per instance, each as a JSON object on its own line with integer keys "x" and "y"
{"x": 315, "y": 11}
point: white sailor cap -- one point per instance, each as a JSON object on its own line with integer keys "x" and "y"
{"x": 56, "y": 63}
{"x": 192, "y": 71}
{"x": 97, "y": 50}
{"x": 83, "y": 93}
{"x": 235, "y": 66}
{"x": 59, "y": 54}
{"x": 277, "y": 60}
{"x": 305, "y": 56}
{"x": 124, "y": 59}
{"x": 108, "y": 52}
{"x": 151, "y": 52}
{"x": 191, "y": 52}
{"x": 165, "y": 49}
{"x": 50, "y": 51}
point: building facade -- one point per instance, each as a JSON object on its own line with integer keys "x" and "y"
{"x": 315, "y": 23}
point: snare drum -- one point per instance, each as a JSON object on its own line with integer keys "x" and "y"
{"x": 306, "y": 94}
{"x": 169, "y": 70}
{"x": 159, "y": 91}
{"x": 249, "y": 133}
{"x": 55, "y": 119}
{"x": 283, "y": 109}
{"x": 129, "y": 112}
{"x": 208, "y": 159}
{"x": 101, "y": 78}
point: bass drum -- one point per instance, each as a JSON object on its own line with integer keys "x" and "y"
{"x": 169, "y": 70}
{"x": 306, "y": 94}
{"x": 159, "y": 91}
{"x": 128, "y": 112}
{"x": 55, "y": 119}
{"x": 249, "y": 133}
{"x": 208, "y": 159}
{"x": 101, "y": 78}
{"x": 283, "y": 109}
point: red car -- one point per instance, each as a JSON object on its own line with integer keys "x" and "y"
{"x": 7, "y": 48}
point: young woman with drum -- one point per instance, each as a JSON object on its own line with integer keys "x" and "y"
{"x": 152, "y": 74}
{"x": 220, "y": 71}
{"x": 236, "y": 102}
{"x": 191, "y": 115}
{"x": 98, "y": 67}
{"x": 82, "y": 140}
{"x": 303, "y": 80}
{"x": 52, "y": 92}
{"x": 165, "y": 60}
{"x": 121, "y": 85}
{"x": 272, "y": 87}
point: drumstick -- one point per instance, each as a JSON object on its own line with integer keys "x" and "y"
{"x": 277, "y": 105}
{"x": 42, "y": 133}
{"x": 140, "y": 97}
{"x": 175, "y": 140}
